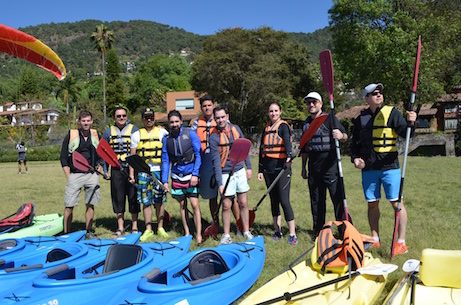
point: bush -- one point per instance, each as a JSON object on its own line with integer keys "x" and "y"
{"x": 41, "y": 153}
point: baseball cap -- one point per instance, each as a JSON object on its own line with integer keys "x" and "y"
{"x": 313, "y": 95}
{"x": 372, "y": 87}
{"x": 147, "y": 112}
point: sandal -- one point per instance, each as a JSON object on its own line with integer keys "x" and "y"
{"x": 134, "y": 231}
{"x": 118, "y": 233}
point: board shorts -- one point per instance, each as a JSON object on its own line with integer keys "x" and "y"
{"x": 149, "y": 191}
{"x": 181, "y": 194}
{"x": 208, "y": 185}
{"x": 238, "y": 183}
{"x": 22, "y": 157}
{"x": 372, "y": 180}
{"x": 75, "y": 182}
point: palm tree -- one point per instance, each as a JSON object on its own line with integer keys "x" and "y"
{"x": 103, "y": 39}
{"x": 68, "y": 89}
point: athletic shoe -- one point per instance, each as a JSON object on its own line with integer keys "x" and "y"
{"x": 225, "y": 240}
{"x": 248, "y": 235}
{"x": 400, "y": 248}
{"x": 277, "y": 236}
{"x": 239, "y": 233}
{"x": 146, "y": 235}
{"x": 292, "y": 240}
{"x": 162, "y": 233}
{"x": 376, "y": 244}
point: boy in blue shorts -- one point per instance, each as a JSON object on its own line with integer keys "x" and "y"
{"x": 374, "y": 151}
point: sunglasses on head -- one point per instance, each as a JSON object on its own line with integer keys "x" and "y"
{"x": 118, "y": 116}
{"x": 375, "y": 93}
{"x": 148, "y": 118}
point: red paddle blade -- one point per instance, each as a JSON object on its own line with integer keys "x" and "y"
{"x": 418, "y": 56}
{"x": 80, "y": 162}
{"x": 239, "y": 151}
{"x": 107, "y": 153}
{"x": 211, "y": 231}
{"x": 396, "y": 228}
{"x": 326, "y": 67}
{"x": 313, "y": 127}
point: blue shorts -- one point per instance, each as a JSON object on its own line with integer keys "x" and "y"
{"x": 238, "y": 183}
{"x": 181, "y": 194}
{"x": 372, "y": 180}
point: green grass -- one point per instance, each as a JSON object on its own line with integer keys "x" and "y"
{"x": 431, "y": 192}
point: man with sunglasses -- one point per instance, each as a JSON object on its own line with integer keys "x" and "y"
{"x": 323, "y": 163}
{"x": 374, "y": 151}
{"x": 122, "y": 179}
{"x": 147, "y": 143}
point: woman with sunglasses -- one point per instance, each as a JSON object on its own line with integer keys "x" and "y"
{"x": 374, "y": 151}
{"x": 323, "y": 163}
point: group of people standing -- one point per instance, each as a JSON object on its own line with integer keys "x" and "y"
{"x": 196, "y": 160}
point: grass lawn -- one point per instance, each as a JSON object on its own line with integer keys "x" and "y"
{"x": 431, "y": 191}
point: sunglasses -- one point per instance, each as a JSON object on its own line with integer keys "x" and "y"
{"x": 119, "y": 116}
{"x": 148, "y": 118}
{"x": 375, "y": 93}
{"x": 313, "y": 102}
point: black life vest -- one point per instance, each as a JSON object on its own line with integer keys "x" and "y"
{"x": 180, "y": 150}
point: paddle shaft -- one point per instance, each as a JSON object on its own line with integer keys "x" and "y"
{"x": 407, "y": 144}
{"x": 287, "y": 295}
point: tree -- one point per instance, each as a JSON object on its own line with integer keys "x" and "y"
{"x": 247, "y": 69}
{"x": 103, "y": 39}
{"x": 68, "y": 89}
{"x": 154, "y": 78}
{"x": 375, "y": 41}
{"x": 115, "y": 87}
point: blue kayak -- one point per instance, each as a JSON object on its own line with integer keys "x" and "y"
{"x": 97, "y": 281}
{"x": 206, "y": 276}
{"x": 17, "y": 272}
{"x": 25, "y": 246}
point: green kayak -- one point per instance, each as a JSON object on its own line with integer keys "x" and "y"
{"x": 42, "y": 225}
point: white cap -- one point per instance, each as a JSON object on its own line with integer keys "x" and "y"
{"x": 313, "y": 95}
{"x": 372, "y": 87}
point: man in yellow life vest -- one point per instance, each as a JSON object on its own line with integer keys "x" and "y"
{"x": 147, "y": 143}
{"x": 84, "y": 140}
{"x": 374, "y": 151}
{"x": 122, "y": 179}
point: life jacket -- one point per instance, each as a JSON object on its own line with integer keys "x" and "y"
{"x": 120, "y": 141}
{"x": 273, "y": 145}
{"x": 180, "y": 150}
{"x": 320, "y": 141}
{"x": 23, "y": 217}
{"x": 225, "y": 143}
{"x": 375, "y": 134}
{"x": 74, "y": 139}
{"x": 150, "y": 146}
{"x": 332, "y": 249}
{"x": 204, "y": 132}
{"x": 384, "y": 138}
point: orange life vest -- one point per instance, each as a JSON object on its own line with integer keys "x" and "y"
{"x": 225, "y": 144}
{"x": 273, "y": 144}
{"x": 203, "y": 131}
{"x": 334, "y": 252}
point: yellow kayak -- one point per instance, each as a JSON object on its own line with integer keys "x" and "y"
{"x": 438, "y": 280}
{"x": 364, "y": 288}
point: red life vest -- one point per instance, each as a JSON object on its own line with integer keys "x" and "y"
{"x": 225, "y": 143}
{"x": 204, "y": 132}
{"x": 332, "y": 252}
{"x": 273, "y": 144}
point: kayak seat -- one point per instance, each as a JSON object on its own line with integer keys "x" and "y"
{"x": 440, "y": 268}
{"x": 56, "y": 255}
{"x": 120, "y": 256}
{"x": 205, "y": 264}
{"x": 7, "y": 244}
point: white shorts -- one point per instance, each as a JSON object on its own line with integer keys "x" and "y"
{"x": 238, "y": 183}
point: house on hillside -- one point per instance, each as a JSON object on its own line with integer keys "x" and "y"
{"x": 186, "y": 102}
{"x": 27, "y": 113}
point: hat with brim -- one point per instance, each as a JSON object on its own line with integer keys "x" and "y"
{"x": 146, "y": 112}
{"x": 314, "y": 96}
{"x": 372, "y": 87}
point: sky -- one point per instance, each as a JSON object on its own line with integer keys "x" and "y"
{"x": 204, "y": 17}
